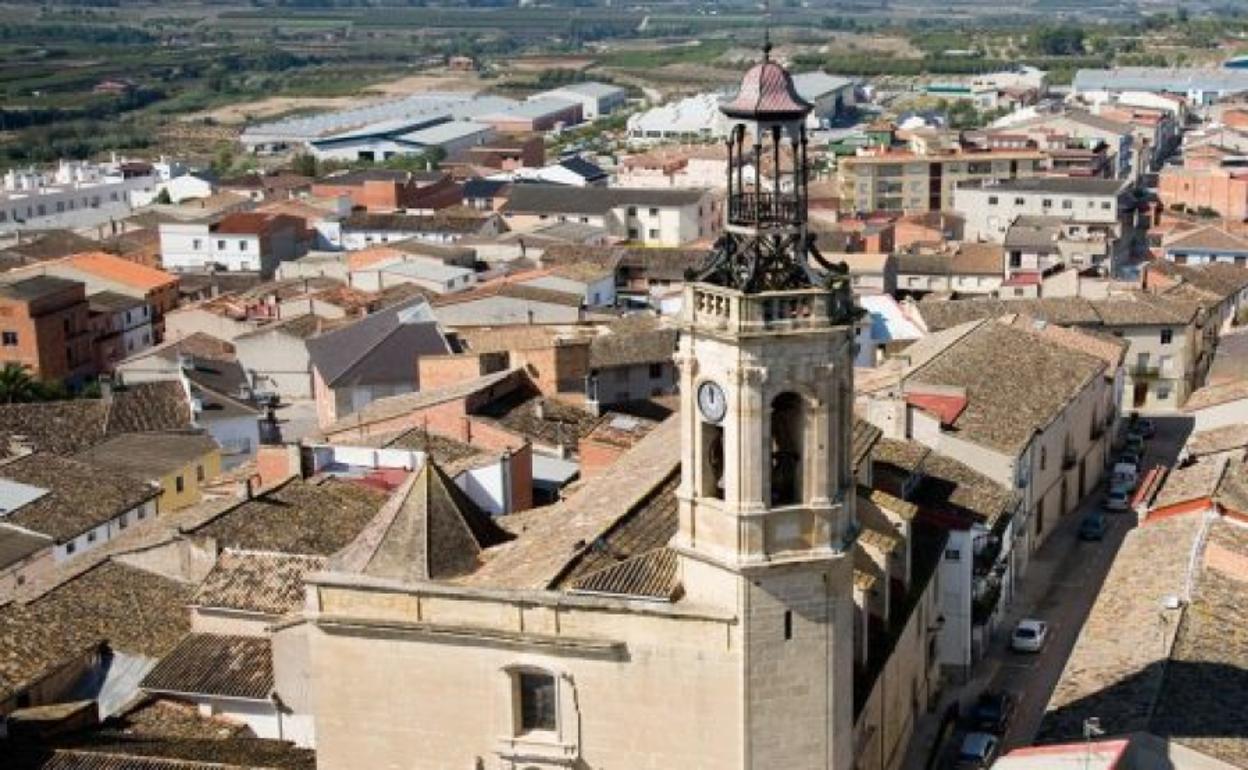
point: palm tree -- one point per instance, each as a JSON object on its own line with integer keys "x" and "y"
{"x": 16, "y": 385}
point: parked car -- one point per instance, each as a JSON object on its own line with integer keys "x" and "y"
{"x": 992, "y": 711}
{"x": 1029, "y": 635}
{"x": 1134, "y": 443}
{"x": 1125, "y": 476}
{"x": 978, "y": 751}
{"x": 1129, "y": 458}
{"x": 1092, "y": 527}
{"x": 1117, "y": 499}
{"x": 1145, "y": 427}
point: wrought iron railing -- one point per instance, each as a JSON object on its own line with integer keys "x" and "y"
{"x": 763, "y": 209}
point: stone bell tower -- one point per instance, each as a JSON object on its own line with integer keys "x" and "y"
{"x": 766, "y": 498}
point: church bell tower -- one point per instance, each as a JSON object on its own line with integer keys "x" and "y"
{"x": 766, "y": 498}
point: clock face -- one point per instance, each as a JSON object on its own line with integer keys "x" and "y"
{"x": 711, "y": 401}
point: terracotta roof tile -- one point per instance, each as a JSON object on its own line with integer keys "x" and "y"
{"x": 257, "y": 581}
{"x": 80, "y": 496}
{"x": 215, "y": 664}
{"x": 124, "y": 271}
{"x": 132, "y": 611}
{"x": 300, "y": 517}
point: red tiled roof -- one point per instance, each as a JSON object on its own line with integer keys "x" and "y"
{"x": 108, "y": 266}
{"x": 946, "y": 407}
{"x": 251, "y": 223}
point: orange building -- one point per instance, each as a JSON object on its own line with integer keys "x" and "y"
{"x": 45, "y": 328}
{"x": 1224, "y": 190}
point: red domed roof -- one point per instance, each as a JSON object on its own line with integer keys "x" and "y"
{"x": 767, "y": 92}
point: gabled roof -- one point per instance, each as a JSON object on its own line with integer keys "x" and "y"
{"x": 630, "y": 348}
{"x": 380, "y": 348}
{"x": 1015, "y": 382}
{"x": 167, "y": 734}
{"x": 298, "y": 517}
{"x": 429, "y": 530}
{"x": 504, "y": 287}
{"x": 560, "y": 199}
{"x": 149, "y": 455}
{"x": 17, "y": 543}
{"x": 80, "y": 496}
{"x": 1208, "y": 238}
{"x": 215, "y": 664}
{"x": 551, "y": 541}
{"x": 649, "y": 575}
{"x": 133, "y": 611}
{"x": 257, "y": 581}
{"x": 978, "y": 259}
{"x": 124, "y": 271}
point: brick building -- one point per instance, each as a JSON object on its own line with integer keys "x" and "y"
{"x": 45, "y": 327}
{"x": 387, "y": 190}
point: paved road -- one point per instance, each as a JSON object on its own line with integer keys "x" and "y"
{"x": 1061, "y": 585}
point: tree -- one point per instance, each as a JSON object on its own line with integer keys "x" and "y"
{"x": 162, "y": 197}
{"x": 1058, "y": 41}
{"x": 16, "y": 385}
{"x": 304, "y": 164}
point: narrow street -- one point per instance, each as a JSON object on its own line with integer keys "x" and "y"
{"x": 1060, "y": 588}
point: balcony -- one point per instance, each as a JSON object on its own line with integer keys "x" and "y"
{"x": 736, "y": 312}
{"x": 754, "y": 209}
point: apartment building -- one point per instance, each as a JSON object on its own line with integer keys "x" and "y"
{"x": 1100, "y": 207}
{"x": 76, "y": 194}
{"x": 921, "y": 182}
{"x": 45, "y": 328}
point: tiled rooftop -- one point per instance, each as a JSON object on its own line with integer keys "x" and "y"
{"x": 215, "y": 664}
{"x": 257, "y": 581}
{"x": 1014, "y": 381}
{"x": 81, "y": 496}
{"x": 161, "y": 734}
{"x": 301, "y": 517}
{"x": 132, "y": 611}
{"x": 1116, "y": 670}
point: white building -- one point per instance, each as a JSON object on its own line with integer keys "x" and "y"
{"x": 239, "y": 243}
{"x": 649, "y": 217}
{"x": 596, "y": 99}
{"x": 423, "y": 109}
{"x": 1201, "y": 86}
{"x": 430, "y": 274}
{"x": 990, "y": 209}
{"x": 78, "y": 194}
{"x": 697, "y": 118}
{"x": 389, "y": 139}
{"x": 884, "y": 322}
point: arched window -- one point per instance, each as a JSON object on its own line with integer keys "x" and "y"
{"x": 711, "y": 473}
{"x": 787, "y": 428}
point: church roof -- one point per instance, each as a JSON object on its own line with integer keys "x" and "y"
{"x": 428, "y": 530}
{"x": 651, "y": 575}
{"x": 767, "y": 91}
